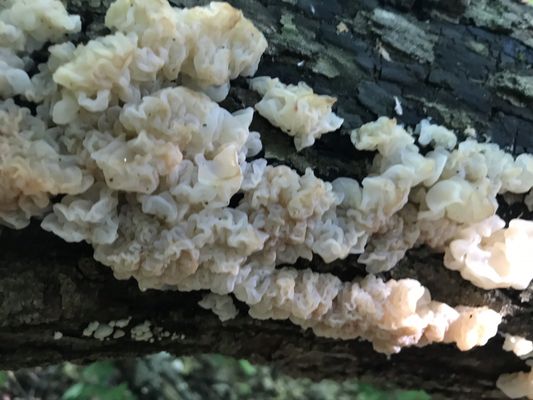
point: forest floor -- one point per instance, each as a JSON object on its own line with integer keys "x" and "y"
{"x": 161, "y": 376}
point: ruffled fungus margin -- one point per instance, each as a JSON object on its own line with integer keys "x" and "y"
{"x": 127, "y": 130}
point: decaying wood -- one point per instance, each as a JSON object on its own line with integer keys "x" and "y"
{"x": 465, "y": 64}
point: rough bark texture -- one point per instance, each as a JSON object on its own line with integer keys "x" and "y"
{"x": 464, "y": 63}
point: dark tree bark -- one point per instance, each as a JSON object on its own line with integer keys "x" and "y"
{"x": 463, "y": 63}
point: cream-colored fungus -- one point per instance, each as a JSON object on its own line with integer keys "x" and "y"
{"x": 33, "y": 166}
{"x": 148, "y": 167}
{"x": 519, "y": 345}
{"x": 491, "y": 256}
{"x": 221, "y": 305}
{"x": 296, "y": 110}
{"x": 516, "y": 385}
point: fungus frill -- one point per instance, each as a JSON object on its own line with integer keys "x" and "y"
{"x": 33, "y": 166}
{"x": 493, "y": 257}
{"x": 296, "y": 110}
{"x": 159, "y": 179}
{"x": 24, "y": 27}
{"x": 516, "y": 385}
{"x": 155, "y": 44}
{"x": 518, "y": 345}
{"x": 440, "y": 198}
{"x": 222, "y": 306}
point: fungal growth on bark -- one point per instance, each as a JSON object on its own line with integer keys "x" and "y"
{"x": 296, "y": 110}
{"x": 125, "y": 147}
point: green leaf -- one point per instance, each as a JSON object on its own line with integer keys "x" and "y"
{"x": 72, "y": 371}
{"x": 74, "y": 392}
{"x": 82, "y": 391}
{"x": 3, "y": 379}
{"x": 100, "y": 372}
{"x": 120, "y": 392}
{"x": 247, "y": 368}
{"x": 217, "y": 360}
{"x": 413, "y": 395}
